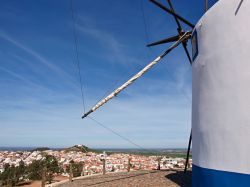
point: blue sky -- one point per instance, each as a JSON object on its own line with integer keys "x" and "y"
{"x": 40, "y": 99}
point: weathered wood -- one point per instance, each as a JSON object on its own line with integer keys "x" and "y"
{"x": 83, "y": 165}
{"x": 129, "y": 160}
{"x": 159, "y": 163}
{"x": 43, "y": 183}
{"x": 104, "y": 166}
{"x": 70, "y": 172}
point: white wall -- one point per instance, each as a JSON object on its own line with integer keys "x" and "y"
{"x": 221, "y": 89}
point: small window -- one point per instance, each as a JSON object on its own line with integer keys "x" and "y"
{"x": 195, "y": 50}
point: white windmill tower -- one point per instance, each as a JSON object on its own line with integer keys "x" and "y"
{"x": 221, "y": 104}
{"x": 221, "y": 92}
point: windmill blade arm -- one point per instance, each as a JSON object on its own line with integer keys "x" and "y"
{"x": 184, "y": 44}
{"x": 176, "y": 20}
{"x": 136, "y": 76}
{"x": 172, "y": 13}
{"x": 122, "y": 87}
{"x": 166, "y": 40}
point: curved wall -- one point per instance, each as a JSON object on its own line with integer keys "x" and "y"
{"x": 221, "y": 92}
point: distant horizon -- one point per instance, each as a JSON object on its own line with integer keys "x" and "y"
{"x": 2, "y": 148}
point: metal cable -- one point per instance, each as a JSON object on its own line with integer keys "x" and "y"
{"x": 77, "y": 53}
{"x": 144, "y": 23}
{"x": 117, "y": 134}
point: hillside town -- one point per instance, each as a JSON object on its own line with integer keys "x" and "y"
{"x": 92, "y": 162}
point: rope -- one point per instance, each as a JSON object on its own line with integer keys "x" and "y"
{"x": 77, "y": 53}
{"x": 146, "y": 33}
{"x": 119, "y": 135}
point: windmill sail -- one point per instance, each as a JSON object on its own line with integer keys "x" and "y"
{"x": 138, "y": 75}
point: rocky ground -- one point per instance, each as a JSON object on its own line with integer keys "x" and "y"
{"x": 135, "y": 179}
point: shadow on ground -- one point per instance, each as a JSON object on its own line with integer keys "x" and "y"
{"x": 180, "y": 178}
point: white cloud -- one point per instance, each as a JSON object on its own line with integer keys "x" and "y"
{"x": 116, "y": 51}
{"x": 37, "y": 56}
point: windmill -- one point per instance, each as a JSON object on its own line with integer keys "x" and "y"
{"x": 220, "y": 92}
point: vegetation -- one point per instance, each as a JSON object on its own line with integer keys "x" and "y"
{"x": 76, "y": 168}
{"x": 14, "y": 175}
{"x": 37, "y": 167}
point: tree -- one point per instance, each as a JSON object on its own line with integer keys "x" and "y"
{"x": 37, "y": 166}
{"x": 21, "y": 171}
{"x": 76, "y": 168}
{"x": 10, "y": 176}
{"x": 52, "y": 167}
{"x": 35, "y": 170}
{"x": 13, "y": 175}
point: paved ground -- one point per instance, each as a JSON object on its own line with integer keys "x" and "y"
{"x": 135, "y": 179}
{"x": 38, "y": 183}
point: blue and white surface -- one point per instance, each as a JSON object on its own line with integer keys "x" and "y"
{"x": 221, "y": 97}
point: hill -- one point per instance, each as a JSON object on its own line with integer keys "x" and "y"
{"x": 80, "y": 148}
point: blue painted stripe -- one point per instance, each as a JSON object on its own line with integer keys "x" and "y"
{"x": 202, "y": 177}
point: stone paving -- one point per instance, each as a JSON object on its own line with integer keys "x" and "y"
{"x": 135, "y": 179}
